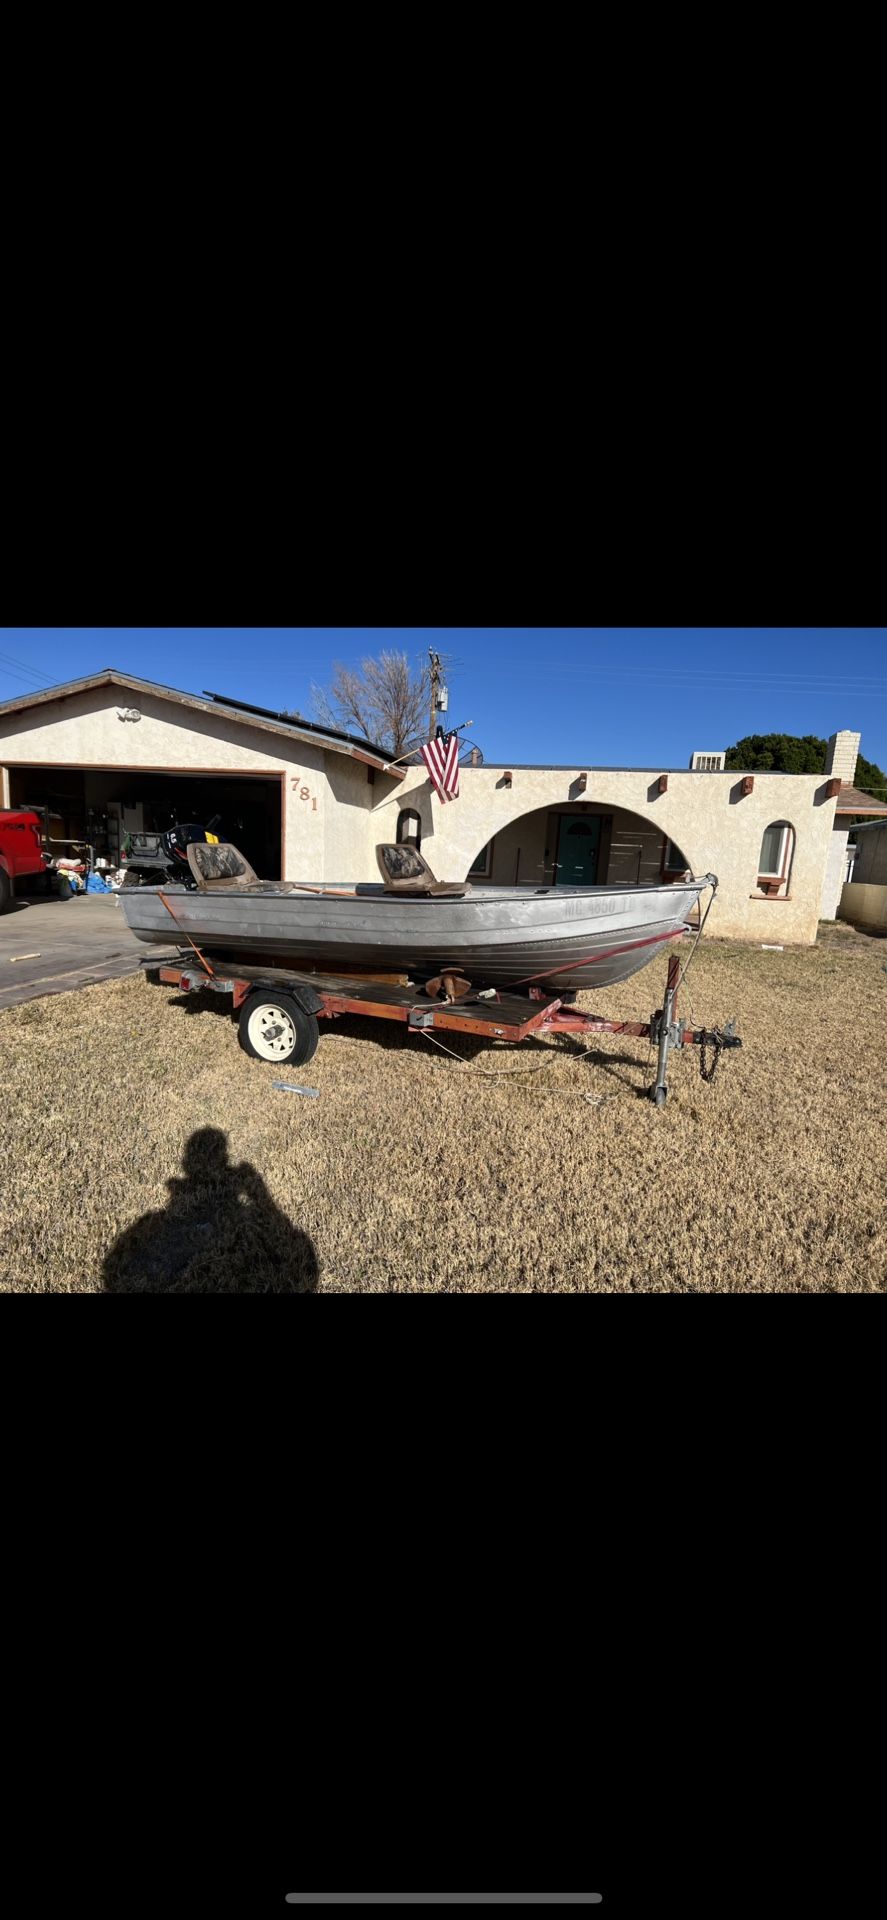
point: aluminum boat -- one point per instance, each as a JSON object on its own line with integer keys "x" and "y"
{"x": 555, "y": 937}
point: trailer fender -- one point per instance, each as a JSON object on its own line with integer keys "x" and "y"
{"x": 304, "y": 996}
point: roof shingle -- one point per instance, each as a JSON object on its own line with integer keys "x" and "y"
{"x": 852, "y": 800}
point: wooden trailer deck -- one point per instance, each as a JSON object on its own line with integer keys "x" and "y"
{"x": 509, "y": 1016}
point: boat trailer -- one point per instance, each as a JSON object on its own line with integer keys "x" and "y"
{"x": 279, "y": 1011}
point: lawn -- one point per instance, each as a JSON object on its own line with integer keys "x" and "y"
{"x": 146, "y": 1152}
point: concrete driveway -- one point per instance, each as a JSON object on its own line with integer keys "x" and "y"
{"x": 53, "y": 946}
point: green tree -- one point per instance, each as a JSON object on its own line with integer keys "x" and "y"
{"x": 778, "y": 753}
{"x": 870, "y": 778}
{"x": 794, "y": 753}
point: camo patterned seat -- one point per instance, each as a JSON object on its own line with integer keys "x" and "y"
{"x": 404, "y": 870}
{"x": 222, "y": 865}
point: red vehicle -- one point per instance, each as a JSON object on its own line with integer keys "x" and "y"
{"x": 21, "y": 850}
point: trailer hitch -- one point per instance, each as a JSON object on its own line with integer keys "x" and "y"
{"x": 667, "y": 1033}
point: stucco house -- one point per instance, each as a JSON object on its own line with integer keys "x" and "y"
{"x": 864, "y": 896}
{"x": 112, "y": 753}
{"x": 851, "y": 804}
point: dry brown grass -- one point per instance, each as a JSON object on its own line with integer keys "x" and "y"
{"x": 411, "y": 1174}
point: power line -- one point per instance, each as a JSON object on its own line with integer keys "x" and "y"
{"x": 12, "y": 663}
{"x": 32, "y": 686}
{"x": 734, "y": 673}
{"x": 809, "y": 676}
{"x": 28, "y": 665}
{"x": 724, "y": 681}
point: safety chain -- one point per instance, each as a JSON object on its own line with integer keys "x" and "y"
{"x": 709, "y": 1038}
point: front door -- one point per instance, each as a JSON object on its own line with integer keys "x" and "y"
{"x": 578, "y": 849}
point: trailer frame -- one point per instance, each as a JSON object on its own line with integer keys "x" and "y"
{"x": 486, "y": 1013}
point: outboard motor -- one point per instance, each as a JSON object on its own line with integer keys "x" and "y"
{"x": 176, "y": 843}
{"x": 156, "y": 858}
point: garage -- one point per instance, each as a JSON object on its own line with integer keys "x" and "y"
{"x": 112, "y": 755}
{"x": 103, "y": 806}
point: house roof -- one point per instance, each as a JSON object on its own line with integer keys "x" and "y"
{"x": 872, "y": 826}
{"x": 218, "y": 704}
{"x": 851, "y": 800}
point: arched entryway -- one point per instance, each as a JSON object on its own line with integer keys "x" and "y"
{"x": 579, "y": 843}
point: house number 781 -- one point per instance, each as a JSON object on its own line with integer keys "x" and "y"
{"x": 304, "y": 793}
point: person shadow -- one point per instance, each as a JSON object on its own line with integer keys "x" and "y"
{"x": 220, "y": 1233}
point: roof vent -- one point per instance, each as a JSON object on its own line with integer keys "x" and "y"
{"x": 707, "y": 762}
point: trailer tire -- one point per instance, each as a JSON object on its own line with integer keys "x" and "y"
{"x": 5, "y": 891}
{"x": 274, "y": 1027}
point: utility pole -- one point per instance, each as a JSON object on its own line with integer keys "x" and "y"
{"x": 434, "y": 673}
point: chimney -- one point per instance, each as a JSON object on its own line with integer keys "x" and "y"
{"x": 841, "y": 756}
{"x": 474, "y": 757}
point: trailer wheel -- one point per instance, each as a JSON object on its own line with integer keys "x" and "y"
{"x": 5, "y": 891}
{"x": 274, "y": 1027}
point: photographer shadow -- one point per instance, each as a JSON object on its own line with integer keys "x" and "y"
{"x": 220, "y": 1233}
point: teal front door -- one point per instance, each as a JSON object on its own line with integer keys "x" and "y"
{"x": 578, "y": 849}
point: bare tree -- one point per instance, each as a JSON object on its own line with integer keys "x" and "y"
{"x": 383, "y": 699}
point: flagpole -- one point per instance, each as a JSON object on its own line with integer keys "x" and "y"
{"x": 408, "y": 756}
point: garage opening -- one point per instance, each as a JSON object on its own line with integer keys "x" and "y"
{"x": 103, "y": 808}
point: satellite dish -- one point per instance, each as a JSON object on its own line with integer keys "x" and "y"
{"x": 471, "y": 755}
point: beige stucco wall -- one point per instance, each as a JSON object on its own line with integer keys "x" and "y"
{"x": 349, "y": 835}
{"x": 705, "y": 814}
{"x": 836, "y": 860}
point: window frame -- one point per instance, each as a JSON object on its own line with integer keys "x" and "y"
{"x": 774, "y": 884}
{"x": 409, "y": 839}
{"x": 669, "y": 866}
{"x": 486, "y": 854}
{"x": 777, "y": 872}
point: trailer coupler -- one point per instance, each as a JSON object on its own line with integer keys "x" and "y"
{"x": 667, "y": 1033}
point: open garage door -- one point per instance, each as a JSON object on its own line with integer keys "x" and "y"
{"x": 101, "y": 807}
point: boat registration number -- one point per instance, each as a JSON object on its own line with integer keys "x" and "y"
{"x": 590, "y": 909}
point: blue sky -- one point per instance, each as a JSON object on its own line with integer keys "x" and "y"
{"x": 574, "y": 695}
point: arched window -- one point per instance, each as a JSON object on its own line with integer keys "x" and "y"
{"x": 409, "y": 828}
{"x": 775, "y": 859}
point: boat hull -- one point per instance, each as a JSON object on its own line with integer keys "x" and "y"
{"x": 563, "y": 938}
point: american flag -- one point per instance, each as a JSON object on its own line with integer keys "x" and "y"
{"x": 441, "y": 757}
